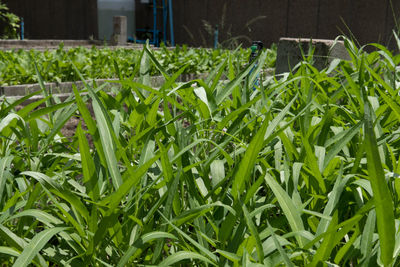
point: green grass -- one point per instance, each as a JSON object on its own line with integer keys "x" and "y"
{"x": 302, "y": 171}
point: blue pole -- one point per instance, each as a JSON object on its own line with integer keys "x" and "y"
{"x": 155, "y": 35}
{"x": 22, "y": 28}
{"x": 171, "y": 23}
{"x": 216, "y": 37}
{"x": 165, "y": 17}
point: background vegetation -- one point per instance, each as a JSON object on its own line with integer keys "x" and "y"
{"x": 16, "y": 67}
{"x": 9, "y": 23}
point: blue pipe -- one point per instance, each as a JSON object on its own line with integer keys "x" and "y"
{"x": 155, "y": 35}
{"x": 171, "y": 23}
{"x": 165, "y": 17}
{"x": 22, "y": 28}
{"x": 216, "y": 32}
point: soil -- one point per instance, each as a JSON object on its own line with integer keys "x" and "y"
{"x": 70, "y": 126}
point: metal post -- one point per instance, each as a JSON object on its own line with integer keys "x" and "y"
{"x": 171, "y": 23}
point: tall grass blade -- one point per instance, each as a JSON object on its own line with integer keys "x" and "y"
{"x": 146, "y": 238}
{"x": 248, "y": 161}
{"x": 227, "y": 90}
{"x": 284, "y": 255}
{"x": 254, "y": 233}
{"x": 106, "y": 134}
{"x": 90, "y": 178}
{"x": 35, "y": 245}
{"x": 184, "y": 255}
{"x": 327, "y": 245}
{"x": 289, "y": 208}
{"x": 383, "y": 201}
{"x": 367, "y": 238}
{"x": 5, "y": 163}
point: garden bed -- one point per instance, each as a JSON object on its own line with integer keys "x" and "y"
{"x": 23, "y": 67}
{"x": 209, "y": 172}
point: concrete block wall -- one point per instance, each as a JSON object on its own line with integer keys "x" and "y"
{"x": 291, "y": 51}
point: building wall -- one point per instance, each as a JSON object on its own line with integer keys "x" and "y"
{"x": 57, "y": 19}
{"x": 367, "y": 20}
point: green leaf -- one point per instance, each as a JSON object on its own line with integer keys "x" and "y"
{"x": 88, "y": 166}
{"x": 279, "y": 248}
{"x": 217, "y": 172}
{"x": 184, "y": 255}
{"x": 227, "y": 90}
{"x": 254, "y": 233}
{"x": 341, "y": 143}
{"x": 60, "y": 191}
{"x": 382, "y": 196}
{"x": 35, "y": 245}
{"x": 202, "y": 249}
{"x": 43, "y": 111}
{"x": 367, "y": 237}
{"x": 116, "y": 197}
{"x": 5, "y": 163}
{"x": 140, "y": 243}
{"x": 289, "y": 208}
{"x": 248, "y": 161}
{"x": 9, "y": 251}
{"x": 39, "y": 215}
{"x": 328, "y": 244}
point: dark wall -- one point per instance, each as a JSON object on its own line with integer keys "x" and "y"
{"x": 57, "y": 19}
{"x": 265, "y": 20}
{"x": 367, "y": 20}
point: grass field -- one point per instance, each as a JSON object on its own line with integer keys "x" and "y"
{"x": 301, "y": 171}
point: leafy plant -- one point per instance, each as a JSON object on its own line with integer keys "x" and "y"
{"x": 11, "y": 21}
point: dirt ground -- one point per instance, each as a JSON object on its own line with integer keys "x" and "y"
{"x": 70, "y": 127}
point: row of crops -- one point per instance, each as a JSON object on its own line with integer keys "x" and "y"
{"x": 16, "y": 67}
{"x": 300, "y": 171}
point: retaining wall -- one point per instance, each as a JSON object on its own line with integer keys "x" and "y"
{"x": 64, "y": 89}
{"x": 54, "y": 44}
